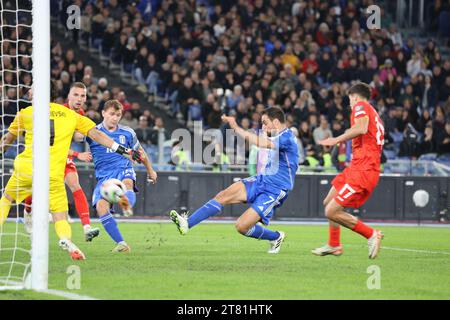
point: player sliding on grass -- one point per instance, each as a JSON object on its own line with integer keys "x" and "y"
{"x": 355, "y": 184}
{"x": 111, "y": 166}
{"x": 264, "y": 192}
{"x": 75, "y": 101}
{"x": 63, "y": 124}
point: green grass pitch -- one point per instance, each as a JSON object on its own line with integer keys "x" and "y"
{"x": 214, "y": 262}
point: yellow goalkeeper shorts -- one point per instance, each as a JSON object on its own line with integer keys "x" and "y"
{"x": 19, "y": 187}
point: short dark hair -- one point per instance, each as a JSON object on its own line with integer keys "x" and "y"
{"x": 113, "y": 104}
{"x": 362, "y": 89}
{"x": 80, "y": 85}
{"x": 275, "y": 113}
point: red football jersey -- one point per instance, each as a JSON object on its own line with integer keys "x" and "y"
{"x": 367, "y": 148}
{"x": 79, "y": 111}
{"x": 70, "y": 163}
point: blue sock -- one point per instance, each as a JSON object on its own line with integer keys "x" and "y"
{"x": 259, "y": 232}
{"x": 209, "y": 209}
{"x": 110, "y": 225}
{"x": 131, "y": 197}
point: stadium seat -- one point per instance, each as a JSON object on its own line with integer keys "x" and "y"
{"x": 444, "y": 159}
{"x": 390, "y": 154}
{"x": 397, "y": 136}
{"x": 197, "y": 167}
{"x": 428, "y": 156}
{"x": 444, "y": 24}
{"x": 152, "y": 152}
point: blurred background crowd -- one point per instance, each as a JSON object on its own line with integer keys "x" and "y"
{"x": 204, "y": 58}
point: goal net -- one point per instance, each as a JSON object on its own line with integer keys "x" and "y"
{"x": 16, "y": 75}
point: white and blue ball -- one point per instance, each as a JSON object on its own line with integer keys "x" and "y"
{"x": 112, "y": 190}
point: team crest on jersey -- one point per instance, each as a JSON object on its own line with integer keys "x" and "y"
{"x": 358, "y": 108}
{"x": 122, "y": 139}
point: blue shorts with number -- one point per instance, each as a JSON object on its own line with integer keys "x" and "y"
{"x": 121, "y": 175}
{"x": 264, "y": 199}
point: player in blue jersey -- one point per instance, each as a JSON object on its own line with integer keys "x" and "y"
{"x": 264, "y": 192}
{"x": 108, "y": 166}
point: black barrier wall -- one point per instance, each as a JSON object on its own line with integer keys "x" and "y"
{"x": 391, "y": 200}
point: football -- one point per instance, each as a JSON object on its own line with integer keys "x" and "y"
{"x": 112, "y": 190}
{"x": 421, "y": 198}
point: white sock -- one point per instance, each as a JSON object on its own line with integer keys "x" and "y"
{"x": 86, "y": 228}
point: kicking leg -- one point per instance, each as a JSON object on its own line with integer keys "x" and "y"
{"x": 128, "y": 201}
{"x": 110, "y": 225}
{"x": 335, "y": 212}
{"x": 81, "y": 205}
{"x": 247, "y": 225}
{"x": 64, "y": 232}
{"x": 236, "y": 193}
{"x": 333, "y": 246}
{"x": 5, "y": 206}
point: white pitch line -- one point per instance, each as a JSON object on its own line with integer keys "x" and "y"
{"x": 415, "y": 250}
{"x": 67, "y": 295}
{"x": 64, "y": 294}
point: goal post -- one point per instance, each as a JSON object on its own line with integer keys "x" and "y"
{"x": 25, "y": 64}
{"x": 41, "y": 145}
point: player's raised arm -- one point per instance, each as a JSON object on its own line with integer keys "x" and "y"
{"x": 78, "y": 137}
{"x": 360, "y": 127}
{"x": 358, "y": 95}
{"x": 260, "y": 141}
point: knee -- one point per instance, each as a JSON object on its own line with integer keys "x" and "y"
{"x": 329, "y": 212}
{"x": 221, "y": 197}
{"x": 241, "y": 228}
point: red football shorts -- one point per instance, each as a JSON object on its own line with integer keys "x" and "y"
{"x": 70, "y": 167}
{"x": 354, "y": 187}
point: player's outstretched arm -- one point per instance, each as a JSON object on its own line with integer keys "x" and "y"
{"x": 151, "y": 173}
{"x": 260, "y": 141}
{"x": 360, "y": 127}
{"x": 6, "y": 141}
{"x": 106, "y": 141}
{"x": 78, "y": 137}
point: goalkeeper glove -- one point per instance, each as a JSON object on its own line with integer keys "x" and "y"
{"x": 129, "y": 153}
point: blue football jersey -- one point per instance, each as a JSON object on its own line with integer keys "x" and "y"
{"x": 282, "y": 161}
{"x": 106, "y": 160}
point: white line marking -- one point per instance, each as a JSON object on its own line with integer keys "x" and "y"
{"x": 68, "y": 295}
{"x": 415, "y": 250}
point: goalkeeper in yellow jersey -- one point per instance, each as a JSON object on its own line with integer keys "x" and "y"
{"x": 63, "y": 124}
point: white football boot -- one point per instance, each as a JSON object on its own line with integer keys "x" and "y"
{"x": 374, "y": 244}
{"x": 275, "y": 245}
{"x": 180, "y": 221}
{"x": 74, "y": 251}
{"x": 327, "y": 250}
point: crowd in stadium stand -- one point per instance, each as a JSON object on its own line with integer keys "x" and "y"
{"x": 238, "y": 57}
{"x": 65, "y": 69}
{"x": 300, "y": 55}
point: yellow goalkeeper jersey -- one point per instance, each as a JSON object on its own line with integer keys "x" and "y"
{"x": 63, "y": 124}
